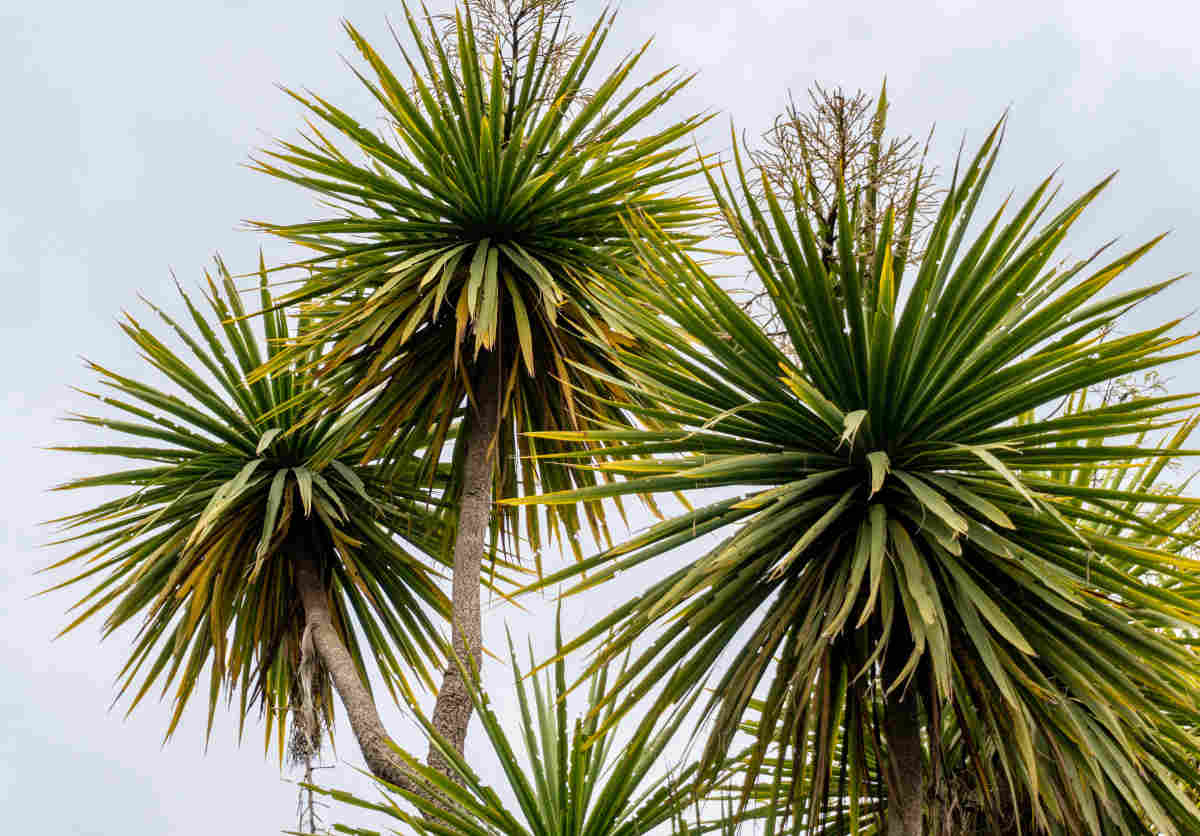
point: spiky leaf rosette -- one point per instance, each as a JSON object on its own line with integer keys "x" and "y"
{"x": 199, "y": 545}
{"x": 901, "y": 536}
{"x": 569, "y": 777}
{"x": 479, "y": 224}
{"x": 971, "y": 792}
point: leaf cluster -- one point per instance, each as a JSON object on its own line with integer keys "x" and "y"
{"x": 902, "y": 533}
{"x": 487, "y": 221}
{"x": 201, "y": 539}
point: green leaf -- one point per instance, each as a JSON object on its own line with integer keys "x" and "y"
{"x": 274, "y": 498}
{"x": 267, "y": 437}
{"x": 933, "y": 501}
{"x": 304, "y": 481}
{"x": 880, "y": 465}
{"x": 851, "y": 423}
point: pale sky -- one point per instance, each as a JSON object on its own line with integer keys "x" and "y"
{"x": 121, "y": 156}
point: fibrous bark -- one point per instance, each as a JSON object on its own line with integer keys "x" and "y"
{"x": 452, "y": 712}
{"x": 902, "y": 726}
{"x": 368, "y": 729}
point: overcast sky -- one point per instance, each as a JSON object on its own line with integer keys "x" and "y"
{"x": 124, "y": 129}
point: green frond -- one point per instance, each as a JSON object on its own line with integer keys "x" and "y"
{"x": 973, "y": 791}
{"x": 568, "y": 777}
{"x": 196, "y": 549}
{"x": 483, "y": 221}
{"x": 917, "y": 520}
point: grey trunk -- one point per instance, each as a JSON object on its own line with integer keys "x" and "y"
{"x": 360, "y": 708}
{"x": 452, "y": 712}
{"x": 902, "y": 726}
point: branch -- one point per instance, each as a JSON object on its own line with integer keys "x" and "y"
{"x": 373, "y": 739}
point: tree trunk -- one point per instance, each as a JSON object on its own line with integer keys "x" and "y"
{"x": 360, "y": 708}
{"x": 452, "y": 712}
{"x": 902, "y": 726}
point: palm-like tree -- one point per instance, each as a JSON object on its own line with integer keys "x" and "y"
{"x": 240, "y": 551}
{"x": 971, "y": 793}
{"x": 568, "y": 778}
{"x": 900, "y": 556}
{"x": 462, "y": 268}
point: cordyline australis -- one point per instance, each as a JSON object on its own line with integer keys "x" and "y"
{"x": 240, "y": 546}
{"x": 905, "y": 553}
{"x": 461, "y": 283}
{"x": 567, "y": 777}
{"x": 453, "y": 304}
{"x": 934, "y": 574}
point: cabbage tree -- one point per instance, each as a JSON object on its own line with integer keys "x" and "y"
{"x": 235, "y": 547}
{"x": 458, "y": 266}
{"x": 894, "y": 549}
{"x": 569, "y": 776}
{"x": 970, "y": 792}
